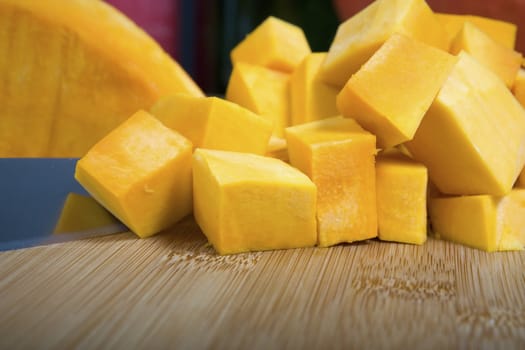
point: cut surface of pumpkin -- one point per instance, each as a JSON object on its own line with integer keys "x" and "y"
{"x": 275, "y": 44}
{"x": 472, "y": 139}
{"x": 214, "y": 123}
{"x": 72, "y": 71}
{"x": 338, "y": 155}
{"x": 401, "y": 186}
{"x": 310, "y": 97}
{"x": 392, "y": 91}
{"x": 141, "y": 173}
{"x": 504, "y": 62}
{"x": 245, "y": 202}
{"x": 263, "y": 91}
{"x": 484, "y": 222}
{"x": 501, "y": 31}
{"x": 361, "y": 35}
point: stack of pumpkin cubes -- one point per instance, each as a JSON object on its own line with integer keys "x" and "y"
{"x": 410, "y": 115}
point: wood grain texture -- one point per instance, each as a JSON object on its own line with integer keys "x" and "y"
{"x": 173, "y": 291}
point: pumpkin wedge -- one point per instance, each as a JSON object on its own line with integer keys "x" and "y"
{"x": 72, "y": 70}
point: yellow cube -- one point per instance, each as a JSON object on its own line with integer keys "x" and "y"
{"x": 504, "y": 62}
{"x": 338, "y": 155}
{"x": 245, "y": 202}
{"x": 391, "y": 92}
{"x": 83, "y": 213}
{"x": 361, "y": 35}
{"x": 472, "y": 138}
{"x": 277, "y": 148}
{"x": 274, "y": 44}
{"x": 481, "y": 221}
{"x": 141, "y": 173}
{"x": 401, "y": 186}
{"x": 263, "y": 91}
{"x": 519, "y": 87}
{"x": 311, "y": 99}
{"x": 500, "y": 31}
{"x": 210, "y": 122}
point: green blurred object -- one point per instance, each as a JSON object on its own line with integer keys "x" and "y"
{"x": 211, "y": 29}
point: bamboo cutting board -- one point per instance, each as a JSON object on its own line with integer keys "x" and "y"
{"x": 173, "y": 291}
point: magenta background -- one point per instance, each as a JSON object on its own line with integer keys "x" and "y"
{"x": 157, "y": 17}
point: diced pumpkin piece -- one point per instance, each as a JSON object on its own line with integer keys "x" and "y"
{"x": 504, "y": 62}
{"x": 274, "y": 44}
{"x": 338, "y": 155}
{"x": 481, "y": 221}
{"x": 311, "y": 99}
{"x": 263, "y": 91}
{"x": 214, "y": 123}
{"x": 81, "y": 213}
{"x": 391, "y": 92}
{"x": 500, "y": 31}
{"x": 245, "y": 202}
{"x": 401, "y": 198}
{"x": 472, "y": 138}
{"x": 361, "y": 35}
{"x": 141, "y": 173}
{"x": 277, "y": 148}
{"x": 519, "y": 87}
{"x": 68, "y": 79}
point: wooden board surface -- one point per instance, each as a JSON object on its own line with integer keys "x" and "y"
{"x": 173, "y": 291}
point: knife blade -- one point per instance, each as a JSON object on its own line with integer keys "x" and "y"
{"x": 42, "y": 203}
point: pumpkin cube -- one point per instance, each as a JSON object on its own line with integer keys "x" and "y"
{"x": 263, "y": 91}
{"x": 504, "y": 62}
{"x": 274, "y": 44}
{"x": 277, "y": 148}
{"x": 472, "y": 138}
{"x": 361, "y": 35}
{"x": 391, "y": 92}
{"x": 210, "y": 122}
{"x": 484, "y": 222}
{"x": 81, "y": 213}
{"x": 519, "y": 87}
{"x": 338, "y": 155}
{"x": 141, "y": 173}
{"x": 311, "y": 99}
{"x": 246, "y": 202}
{"x": 401, "y": 186}
{"x": 500, "y": 31}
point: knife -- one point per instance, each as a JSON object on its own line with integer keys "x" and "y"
{"x": 42, "y": 203}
